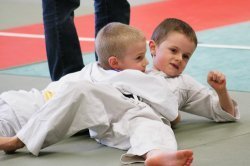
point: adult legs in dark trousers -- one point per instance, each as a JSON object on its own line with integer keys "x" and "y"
{"x": 62, "y": 43}
{"x": 107, "y": 11}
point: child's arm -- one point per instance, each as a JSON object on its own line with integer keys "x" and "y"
{"x": 217, "y": 81}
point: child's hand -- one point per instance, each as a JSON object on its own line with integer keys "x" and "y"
{"x": 216, "y": 80}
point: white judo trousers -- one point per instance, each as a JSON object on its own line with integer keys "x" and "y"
{"x": 113, "y": 119}
{"x": 16, "y": 108}
{"x": 9, "y": 124}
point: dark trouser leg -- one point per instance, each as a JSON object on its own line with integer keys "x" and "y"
{"x": 107, "y": 11}
{"x": 62, "y": 44}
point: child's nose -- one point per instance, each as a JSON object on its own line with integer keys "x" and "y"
{"x": 145, "y": 63}
{"x": 178, "y": 57}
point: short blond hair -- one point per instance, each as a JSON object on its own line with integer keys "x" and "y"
{"x": 114, "y": 39}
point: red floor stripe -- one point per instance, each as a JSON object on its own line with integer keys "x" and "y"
{"x": 20, "y": 51}
{"x": 201, "y": 14}
{"x": 15, "y": 51}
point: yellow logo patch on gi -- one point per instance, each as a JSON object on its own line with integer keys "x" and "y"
{"x": 48, "y": 95}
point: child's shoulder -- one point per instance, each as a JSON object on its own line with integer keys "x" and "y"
{"x": 154, "y": 72}
{"x": 160, "y": 73}
{"x": 186, "y": 76}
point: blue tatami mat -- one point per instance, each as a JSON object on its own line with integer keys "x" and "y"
{"x": 234, "y": 65}
{"x": 234, "y": 62}
{"x": 40, "y": 69}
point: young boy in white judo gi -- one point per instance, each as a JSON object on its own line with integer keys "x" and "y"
{"x": 172, "y": 45}
{"x": 57, "y": 117}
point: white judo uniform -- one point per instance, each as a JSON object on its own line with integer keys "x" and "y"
{"x": 94, "y": 98}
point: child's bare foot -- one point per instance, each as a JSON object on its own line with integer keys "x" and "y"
{"x": 10, "y": 144}
{"x": 163, "y": 158}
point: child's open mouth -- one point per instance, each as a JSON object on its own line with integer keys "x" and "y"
{"x": 175, "y": 66}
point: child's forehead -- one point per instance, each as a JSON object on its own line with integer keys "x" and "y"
{"x": 175, "y": 35}
{"x": 179, "y": 40}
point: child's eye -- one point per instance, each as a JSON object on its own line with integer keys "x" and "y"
{"x": 185, "y": 57}
{"x": 173, "y": 50}
{"x": 139, "y": 57}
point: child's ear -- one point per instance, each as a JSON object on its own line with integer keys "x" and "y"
{"x": 152, "y": 47}
{"x": 113, "y": 62}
